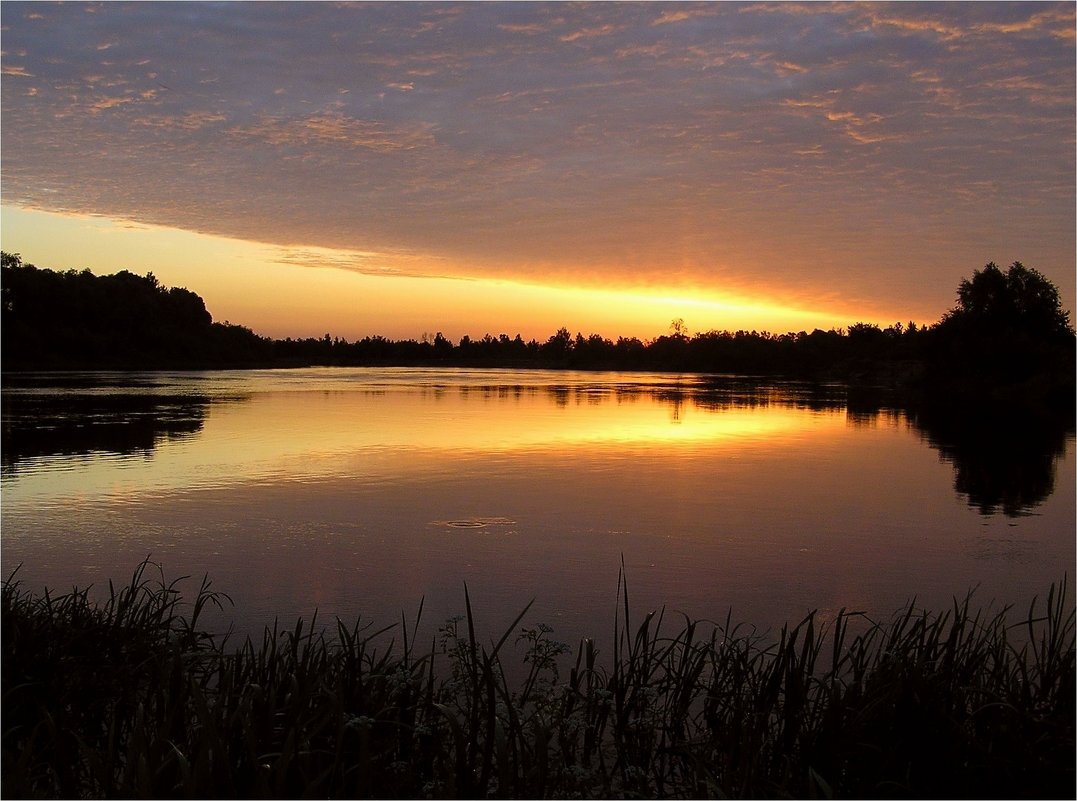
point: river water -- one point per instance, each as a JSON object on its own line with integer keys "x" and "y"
{"x": 359, "y": 492}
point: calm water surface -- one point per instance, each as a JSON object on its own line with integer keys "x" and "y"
{"x": 361, "y": 491}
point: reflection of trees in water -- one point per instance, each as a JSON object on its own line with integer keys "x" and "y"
{"x": 718, "y": 394}
{"x": 1004, "y": 459}
{"x": 66, "y": 424}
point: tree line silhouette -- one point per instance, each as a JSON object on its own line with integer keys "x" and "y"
{"x": 77, "y": 320}
{"x": 1008, "y": 329}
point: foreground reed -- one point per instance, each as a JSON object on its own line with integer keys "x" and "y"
{"x": 128, "y": 698}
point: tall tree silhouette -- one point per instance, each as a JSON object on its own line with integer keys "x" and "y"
{"x": 1021, "y": 299}
{"x": 1008, "y": 329}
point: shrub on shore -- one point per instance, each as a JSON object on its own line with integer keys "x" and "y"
{"x": 130, "y": 698}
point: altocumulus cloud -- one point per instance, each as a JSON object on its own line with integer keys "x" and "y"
{"x": 882, "y": 149}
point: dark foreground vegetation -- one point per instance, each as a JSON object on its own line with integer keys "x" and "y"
{"x": 1008, "y": 336}
{"x": 75, "y": 320}
{"x": 129, "y": 698}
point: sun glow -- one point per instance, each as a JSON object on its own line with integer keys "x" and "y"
{"x": 283, "y": 291}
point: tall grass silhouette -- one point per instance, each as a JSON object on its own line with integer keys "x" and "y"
{"x": 129, "y": 697}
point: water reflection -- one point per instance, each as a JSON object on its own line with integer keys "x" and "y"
{"x": 63, "y": 424}
{"x": 310, "y": 424}
{"x": 1004, "y": 458}
{"x": 73, "y": 424}
{"x": 361, "y": 491}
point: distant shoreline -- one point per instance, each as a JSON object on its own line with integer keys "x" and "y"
{"x": 1008, "y": 338}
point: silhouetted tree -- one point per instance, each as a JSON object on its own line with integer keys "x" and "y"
{"x": 442, "y": 346}
{"x": 1006, "y": 330}
{"x": 558, "y": 346}
{"x": 1019, "y": 299}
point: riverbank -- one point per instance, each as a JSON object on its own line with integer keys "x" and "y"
{"x": 130, "y": 698}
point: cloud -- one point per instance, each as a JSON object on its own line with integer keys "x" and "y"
{"x": 682, "y": 14}
{"x": 108, "y": 102}
{"x": 588, "y": 33}
{"x": 1056, "y": 20}
{"x": 192, "y": 121}
{"x": 371, "y": 263}
{"x": 529, "y": 28}
{"x": 333, "y": 129}
{"x": 787, "y": 145}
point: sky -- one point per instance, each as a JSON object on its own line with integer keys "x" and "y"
{"x": 406, "y": 168}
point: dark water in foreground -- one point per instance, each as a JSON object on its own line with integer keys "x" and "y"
{"x": 360, "y": 491}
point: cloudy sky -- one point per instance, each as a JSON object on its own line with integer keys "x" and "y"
{"x": 399, "y": 168}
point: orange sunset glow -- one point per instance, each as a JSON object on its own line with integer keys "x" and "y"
{"x": 401, "y": 169}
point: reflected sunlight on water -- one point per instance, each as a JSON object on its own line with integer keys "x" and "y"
{"x": 383, "y": 428}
